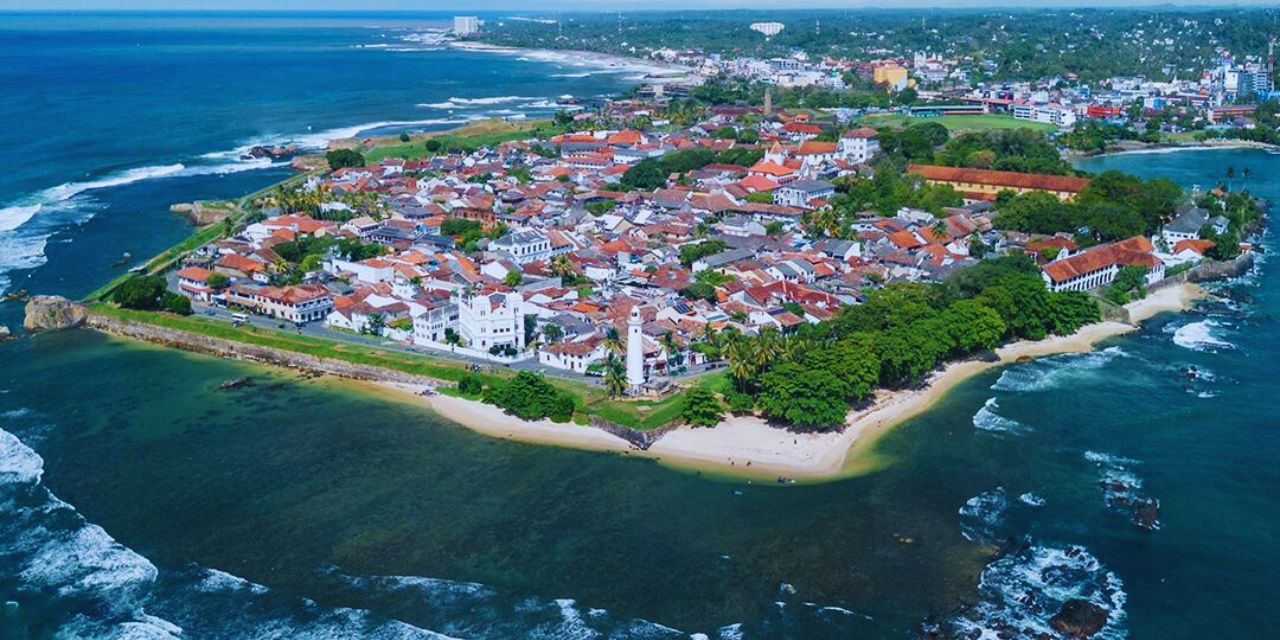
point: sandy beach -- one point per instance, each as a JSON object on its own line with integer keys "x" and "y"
{"x": 748, "y": 447}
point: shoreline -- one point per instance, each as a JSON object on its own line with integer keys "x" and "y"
{"x": 747, "y": 448}
{"x": 605, "y": 62}
{"x": 1163, "y": 147}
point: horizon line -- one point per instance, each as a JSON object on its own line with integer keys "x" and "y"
{"x": 1261, "y": 5}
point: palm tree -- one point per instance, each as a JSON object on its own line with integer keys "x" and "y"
{"x": 612, "y": 340}
{"x": 795, "y": 348}
{"x": 741, "y": 354}
{"x": 674, "y": 354}
{"x": 561, "y": 266}
{"x": 939, "y": 230}
{"x": 1231, "y": 174}
{"x": 1244, "y": 185}
{"x": 615, "y": 376}
{"x": 768, "y": 348}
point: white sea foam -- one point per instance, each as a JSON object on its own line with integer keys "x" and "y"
{"x": 1031, "y": 499}
{"x": 1022, "y": 590}
{"x": 19, "y": 464}
{"x": 1200, "y": 336}
{"x": 27, "y": 225}
{"x": 730, "y": 632}
{"x": 464, "y": 103}
{"x": 982, "y": 515}
{"x": 1049, "y": 373}
{"x": 988, "y": 420}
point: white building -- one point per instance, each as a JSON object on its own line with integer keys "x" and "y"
{"x": 524, "y": 246}
{"x": 489, "y": 320}
{"x": 803, "y": 193}
{"x": 574, "y": 356}
{"x": 464, "y": 26}
{"x": 304, "y": 303}
{"x": 769, "y": 29}
{"x": 429, "y": 326}
{"x": 859, "y": 145}
{"x": 1048, "y": 114}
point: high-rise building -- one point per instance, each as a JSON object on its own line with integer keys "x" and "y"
{"x": 769, "y": 29}
{"x": 464, "y": 26}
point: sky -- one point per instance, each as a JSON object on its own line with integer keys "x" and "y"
{"x": 573, "y": 5}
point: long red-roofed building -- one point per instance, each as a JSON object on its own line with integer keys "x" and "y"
{"x": 1098, "y": 267}
{"x": 984, "y": 184}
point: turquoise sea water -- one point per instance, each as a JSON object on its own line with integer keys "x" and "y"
{"x": 138, "y": 500}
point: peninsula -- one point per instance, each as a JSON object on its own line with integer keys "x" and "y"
{"x": 687, "y": 273}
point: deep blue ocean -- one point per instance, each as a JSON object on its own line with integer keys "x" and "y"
{"x": 137, "y": 500}
{"x": 120, "y": 115}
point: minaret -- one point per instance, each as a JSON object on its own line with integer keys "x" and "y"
{"x": 768, "y": 102}
{"x": 635, "y": 349}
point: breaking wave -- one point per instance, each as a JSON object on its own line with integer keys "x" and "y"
{"x": 1200, "y": 336}
{"x": 988, "y": 420}
{"x": 462, "y": 103}
{"x": 96, "y": 587}
{"x": 982, "y": 516}
{"x": 1027, "y": 585}
{"x": 1054, "y": 371}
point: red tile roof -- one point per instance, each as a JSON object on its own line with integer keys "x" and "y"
{"x": 1135, "y": 251}
{"x": 1000, "y": 178}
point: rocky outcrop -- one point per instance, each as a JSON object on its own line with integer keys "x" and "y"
{"x": 202, "y": 216}
{"x": 272, "y": 153}
{"x": 53, "y": 313}
{"x": 1215, "y": 270}
{"x": 1079, "y": 619}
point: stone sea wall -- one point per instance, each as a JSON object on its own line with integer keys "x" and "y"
{"x": 198, "y": 343}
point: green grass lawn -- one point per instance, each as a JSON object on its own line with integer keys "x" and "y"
{"x": 473, "y": 136}
{"x": 591, "y": 401}
{"x": 960, "y": 124}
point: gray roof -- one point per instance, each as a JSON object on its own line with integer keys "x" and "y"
{"x": 727, "y": 257}
{"x": 809, "y": 186}
{"x": 1189, "y": 220}
{"x": 520, "y": 237}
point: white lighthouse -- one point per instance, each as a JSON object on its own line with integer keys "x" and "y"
{"x": 635, "y": 349}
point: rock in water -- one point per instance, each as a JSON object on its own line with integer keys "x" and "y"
{"x": 1079, "y": 619}
{"x": 53, "y": 313}
{"x": 5, "y": 334}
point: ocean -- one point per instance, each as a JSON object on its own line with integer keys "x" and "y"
{"x": 139, "y": 500}
{"x": 111, "y": 118}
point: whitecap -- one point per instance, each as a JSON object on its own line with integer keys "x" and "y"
{"x": 987, "y": 419}
{"x": 1200, "y": 336}
{"x": 19, "y": 464}
{"x": 1052, "y": 372}
{"x": 1031, "y": 499}
{"x": 1021, "y": 590}
{"x": 982, "y": 515}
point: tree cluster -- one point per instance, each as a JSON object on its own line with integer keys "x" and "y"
{"x": 1114, "y": 206}
{"x": 149, "y": 293}
{"x": 898, "y": 335}
{"x": 529, "y": 396}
